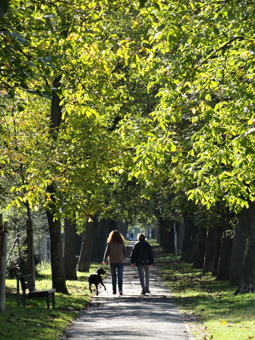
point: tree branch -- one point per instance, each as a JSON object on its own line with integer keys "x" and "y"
{"x": 219, "y": 49}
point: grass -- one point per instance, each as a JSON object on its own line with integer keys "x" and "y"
{"x": 36, "y": 322}
{"x": 210, "y": 307}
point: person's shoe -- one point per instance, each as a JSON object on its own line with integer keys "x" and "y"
{"x": 148, "y": 291}
{"x": 114, "y": 293}
{"x": 143, "y": 292}
{"x": 120, "y": 293}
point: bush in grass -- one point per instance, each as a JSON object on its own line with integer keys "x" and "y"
{"x": 17, "y": 265}
{"x": 17, "y": 248}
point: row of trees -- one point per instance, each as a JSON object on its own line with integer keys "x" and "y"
{"x": 64, "y": 86}
{"x": 204, "y": 61}
{"x": 121, "y": 110}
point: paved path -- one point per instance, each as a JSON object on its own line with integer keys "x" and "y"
{"x": 132, "y": 316}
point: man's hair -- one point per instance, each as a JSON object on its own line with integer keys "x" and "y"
{"x": 141, "y": 237}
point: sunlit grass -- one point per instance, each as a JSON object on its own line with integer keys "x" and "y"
{"x": 35, "y": 322}
{"x": 152, "y": 242}
{"x": 210, "y": 306}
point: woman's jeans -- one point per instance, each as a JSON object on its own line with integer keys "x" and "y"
{"x": 114, "y": 268}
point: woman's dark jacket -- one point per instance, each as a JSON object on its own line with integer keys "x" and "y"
{"x": 142, "y": 254}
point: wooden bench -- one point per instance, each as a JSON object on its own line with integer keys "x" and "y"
{"x": 27, "y": 282}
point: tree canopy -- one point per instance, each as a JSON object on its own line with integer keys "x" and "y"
{"x": 116, "y": 108}
{"x": 164, "y": 88}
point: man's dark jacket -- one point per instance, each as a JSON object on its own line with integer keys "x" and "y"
{"x": 142, "y": 253}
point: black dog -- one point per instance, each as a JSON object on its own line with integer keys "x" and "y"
{"x": 95, "y": 279}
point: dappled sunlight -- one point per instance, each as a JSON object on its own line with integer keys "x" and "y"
{"x": 35, "y": 321}
{"x": 209, "y": 306}
{"x": 131, "y": 315}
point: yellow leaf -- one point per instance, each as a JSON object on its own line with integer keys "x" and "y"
{"x": 224, "y": 322}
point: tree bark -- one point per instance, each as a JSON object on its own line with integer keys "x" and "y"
{"x": 56, "y": 109}
{"x": 103, "y": 228}
{"x": 57, "y": 259}
{"x": 217, "y": 235}
{"x": 188, "y": 231}
{"x": 122, "y": 228}
{"x": 200, "y": 250}
{"x": 87, "y": 245}
{"x": 224, "y": 259}
{"x": 159, "y": 231}
{"x": 70, "y": 250}
{"x": 57, "y": 263}
{"x": 166, "y": 234}
{"x": 31, "y": 249}
{"x": 247, "y": 281}
{"x": 239, "y": 246}
{"x": 192, "y": 246}
{"x": 209, "y": 248}
{"x": 180, "y": 235}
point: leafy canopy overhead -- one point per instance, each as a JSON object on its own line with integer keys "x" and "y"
{"x": 201, "y": 57}
{"x": 160, "y": 91}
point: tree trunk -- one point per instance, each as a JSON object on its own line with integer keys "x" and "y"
{"x": 57, "y": 259}
{"x": 159, "y": 232}
{"x": 103, "y": 228}
{"x": 239, "y": 246}
{"x": 188, "y": 231}
{"x": 209, "y": 249}
{"x": 57, "y": 263}
{"x": 31, "y": 250}
{"x": 180, "y": 235}
{"x": 56, "y": 109}
{"x": 122, "y": 228}
{"x": 169, "y": 236}
{"x": 166, "y": 234}
{"x": 30, "y": 244}
{"x": 224, "y": 259}
{"x": 247, "y": 281}
{"x": 87, "y": 245}
{"x": 70, "y": 250}
{"x": 200, "y": 250}
{"x": 217, "y": 235}
{"x": 192, "y": 246}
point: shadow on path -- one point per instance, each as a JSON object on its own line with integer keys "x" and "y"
{"x": 132, "y": 316}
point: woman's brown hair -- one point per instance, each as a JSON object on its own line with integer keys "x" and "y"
{"x": 116, "y": 237}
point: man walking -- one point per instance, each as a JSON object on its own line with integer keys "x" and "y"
{"x": 143, "y": 257}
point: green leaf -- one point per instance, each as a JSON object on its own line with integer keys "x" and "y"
{"x": 142, "y": 3}
{"x": 215, "y": 30}
{"x": 4, "y": 4}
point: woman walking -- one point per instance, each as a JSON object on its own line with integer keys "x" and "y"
{"x": 116, "y": 252}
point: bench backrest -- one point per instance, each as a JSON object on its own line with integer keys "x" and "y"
{"x": 27, "y": 282}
